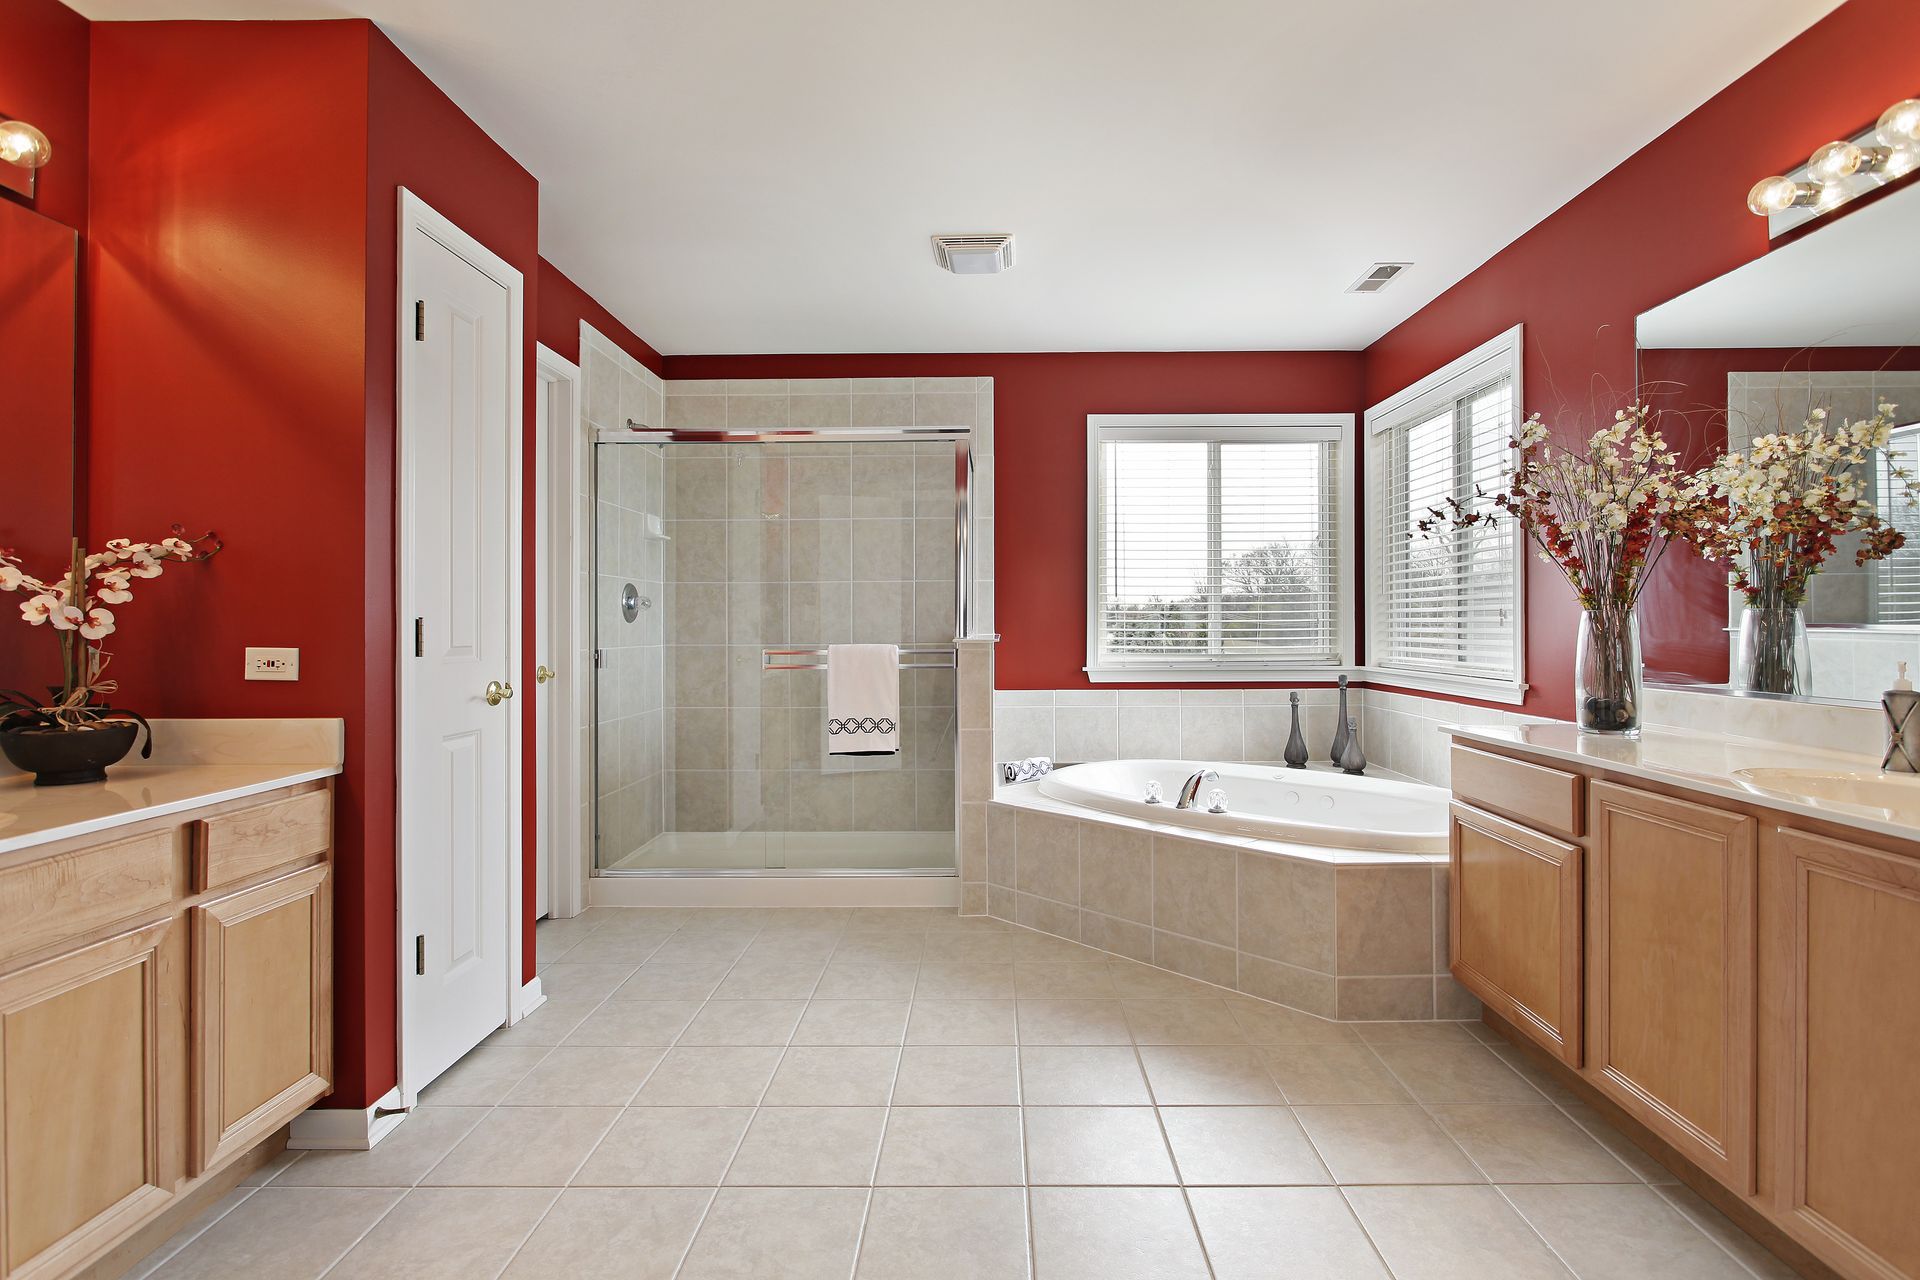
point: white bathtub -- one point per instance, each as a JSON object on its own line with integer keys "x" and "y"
{"x": 1298, "y": 806}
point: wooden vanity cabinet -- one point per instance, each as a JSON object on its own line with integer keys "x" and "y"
{"x": 1745, "y": 987}
{"x": 1672, "y": 972}
{"x": 154, "y": 1029}
{"x": 1842, "y": 926}
{"x": 1514, "y": 930}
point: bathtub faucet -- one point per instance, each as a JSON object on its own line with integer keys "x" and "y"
{"x": 1190, "y": 793}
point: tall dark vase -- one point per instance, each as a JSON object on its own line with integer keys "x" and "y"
{"x": 1296, "y": 753}
{"x": 1340, "y": 732}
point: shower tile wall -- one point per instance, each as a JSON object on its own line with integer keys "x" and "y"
{"x": 630, "y": 755}
{"x": 800, "y": 546}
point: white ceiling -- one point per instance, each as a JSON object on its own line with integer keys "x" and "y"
{"x": 762, "y": 175}
{"x": 1855, "y": 283}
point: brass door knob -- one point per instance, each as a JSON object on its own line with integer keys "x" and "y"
{"x": 498, "y": 693}
{"x": 543, "y": 673}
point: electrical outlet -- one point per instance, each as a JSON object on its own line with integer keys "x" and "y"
{"x": 273, "y": 664}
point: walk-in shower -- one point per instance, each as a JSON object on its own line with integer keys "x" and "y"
{"x": 725, "y": 564}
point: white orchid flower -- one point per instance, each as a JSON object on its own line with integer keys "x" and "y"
{"x": 66, "y": 617}
{"x": 10, "y": 577}
{"x": 113, "y": 587}
{"x": 39, "y": 609}
{"x": 144, "y": 565}
{"x": 99, "y": 623}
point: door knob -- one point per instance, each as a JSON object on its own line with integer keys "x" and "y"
{"x": 498, "y": 693}
{"x": 543, "y": 673}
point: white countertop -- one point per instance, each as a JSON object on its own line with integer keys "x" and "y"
{"x": 1700, "y": 761}
{"x": 196, "y": 763}
{"x": 31, "y": 815}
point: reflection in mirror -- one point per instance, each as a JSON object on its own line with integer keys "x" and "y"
{"x": 39, "y": 271}
{"x": 1830, "y": 321}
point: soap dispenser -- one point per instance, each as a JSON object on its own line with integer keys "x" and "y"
{"x": 1903, "y": 726}
{"x": 1296, "y": 751}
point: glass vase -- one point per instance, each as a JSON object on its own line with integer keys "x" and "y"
{"x": 1773, "y": 653}
{"x": 1606, "y": 675}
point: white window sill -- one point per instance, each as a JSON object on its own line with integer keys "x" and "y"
{"x": 1217, "y": 675}
{"x": 1510, "y": 692}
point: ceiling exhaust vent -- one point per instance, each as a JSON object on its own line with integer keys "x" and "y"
{"x": 974, "y": 255}
{"x": 1378, "y": 278}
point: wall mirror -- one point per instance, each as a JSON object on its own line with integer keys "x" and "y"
{"x": 1831, "y": 320}
{"x": 39, "y": 307}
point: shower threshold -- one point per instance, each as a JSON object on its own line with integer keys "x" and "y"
{"x": 791, "y": 853}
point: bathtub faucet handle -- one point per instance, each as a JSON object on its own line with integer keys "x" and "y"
{"x": 1190, "y": 793}
{"x": 1216, "y": 801}
{"x": 1153, "y": 792}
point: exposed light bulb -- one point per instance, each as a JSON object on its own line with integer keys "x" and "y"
{"x": 1899, "y": 126}
{"x": 1777, "y": 195}
{"x": 1902, "y": 162}
{"x": 1838, "y": 161}
{"x": 24, "y": 145}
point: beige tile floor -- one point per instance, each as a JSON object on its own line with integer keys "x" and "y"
{"x": 897, "y": 1094}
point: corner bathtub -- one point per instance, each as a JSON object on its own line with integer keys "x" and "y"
{"x": 1296, "y": 806}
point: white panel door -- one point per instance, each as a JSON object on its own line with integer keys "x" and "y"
{"x": 458, "y": 848}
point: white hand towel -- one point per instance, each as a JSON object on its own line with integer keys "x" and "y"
{"x": 863, "y": 699}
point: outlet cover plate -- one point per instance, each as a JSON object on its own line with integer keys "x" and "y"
{"x": 273, "y": 664}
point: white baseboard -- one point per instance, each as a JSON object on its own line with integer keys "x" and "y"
{"x": 774, "y": 891}
{"x": 531, "y": 997}
{"x": 335, "y": 1129}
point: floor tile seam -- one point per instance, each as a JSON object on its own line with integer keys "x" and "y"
{"x": 359, "y": 1239}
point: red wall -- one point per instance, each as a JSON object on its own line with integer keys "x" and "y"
{"x": 243, "y": 269}
{"x": 43, "y": 80}
{"x": 564, "y": 304}
{"x": 1040, "y": 407}
{"x": 1670, "y": 217}
{"x": 419, "y": 139}
{"x": 227, "y": 317}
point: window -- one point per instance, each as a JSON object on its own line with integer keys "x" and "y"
{"x": 1446, "y": 613}
{"x": 1896, "y": 579}
{"x": 1217, "y": 545}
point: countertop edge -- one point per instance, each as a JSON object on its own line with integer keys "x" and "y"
{"x": 1709, "y": 784}
{"x": 89, "y": 826}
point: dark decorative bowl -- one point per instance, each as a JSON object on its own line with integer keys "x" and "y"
{"x": 63, "y": 757}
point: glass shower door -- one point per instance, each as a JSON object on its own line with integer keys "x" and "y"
{"x": 750, "y": 560}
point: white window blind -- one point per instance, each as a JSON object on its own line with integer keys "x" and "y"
{"x": 1896, "y": 579}
{"x": 1447, "y": 606}
{"x": 1215, "y": 547}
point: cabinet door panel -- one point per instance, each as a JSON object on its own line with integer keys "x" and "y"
{"x": 1514, "y": 936}
{"x": 1671, "y": 912}
{"x": 82, "y": 1101}
{"x": 263, "y": 1011}
{"x": 1849, "y": 919}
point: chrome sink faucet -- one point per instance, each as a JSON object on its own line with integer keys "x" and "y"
{"x": 1190, "y": 793}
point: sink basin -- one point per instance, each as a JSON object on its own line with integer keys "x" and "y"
{"x": 1890, "y": 797}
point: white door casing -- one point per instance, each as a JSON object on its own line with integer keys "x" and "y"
{"x": 559, "y": 625}
{"x": 459, "y": 845}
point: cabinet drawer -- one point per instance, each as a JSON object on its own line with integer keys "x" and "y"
{"x": 73, "y": 895}
{"x": 1546, "y": 798}
{"x": 242, "y": 844}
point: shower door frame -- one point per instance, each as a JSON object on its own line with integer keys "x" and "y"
{"x": 963, "y": 549}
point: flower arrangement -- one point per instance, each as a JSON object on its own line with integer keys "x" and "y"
{"x": 75, "y": 608}
{"x": 1774, "y": 515}
{"x": 1603, "y": 518}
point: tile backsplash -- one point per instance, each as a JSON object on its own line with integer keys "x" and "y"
{"x": 1398, "y": 731}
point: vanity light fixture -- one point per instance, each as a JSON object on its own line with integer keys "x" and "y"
{"x": 1841, "y": 171}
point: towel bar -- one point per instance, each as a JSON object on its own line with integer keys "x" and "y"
{"x": 943, "y": 655}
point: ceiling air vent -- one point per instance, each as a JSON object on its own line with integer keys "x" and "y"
{"x": 974, "y": 255}
{"x": 1378, "y": 278}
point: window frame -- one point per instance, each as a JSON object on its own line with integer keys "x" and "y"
{"x": 1226, "y": 428}
{"x": 1501, "y": 355}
